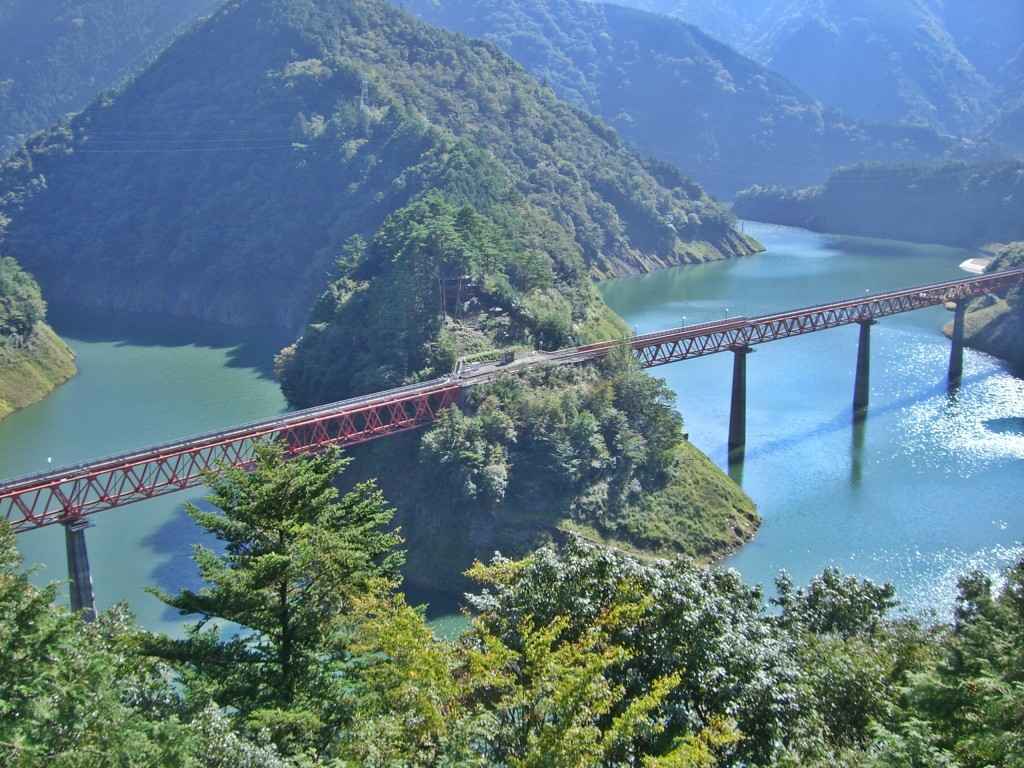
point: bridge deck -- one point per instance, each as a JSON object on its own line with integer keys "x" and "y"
{"x": 74, "y": 492}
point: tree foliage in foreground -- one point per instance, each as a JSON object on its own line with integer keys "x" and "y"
{"x": 575, "y": 657}
{"x": 295, "y": 553}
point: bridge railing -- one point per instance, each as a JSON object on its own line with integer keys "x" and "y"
{"x": 70, "y": 493}
{"x": 75, "y": 492}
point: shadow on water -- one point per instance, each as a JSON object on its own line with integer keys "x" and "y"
{"x": 844, "y": 419}
{"x": 171, "y": 547}
{"x": 444, "y": 610}
{"x": 859, "y": 432}
{"x": 246, "y": 348}
{"x": 1008, "y": 426}
{"x": 737, "y": 459}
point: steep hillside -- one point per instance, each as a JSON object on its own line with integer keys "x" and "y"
{"x": 996, "y": 325}
{"x": 33, "y": 360}
{"x": 680, "y": 95}
{"x": 877, "y": 60}
{"x": 732, "y": 21}
{"x": 224, "y": 180}
{"x": 596, "y": 453}
{"x": 955, "y": 204}
{"x": 908, "y": 65}
{"x": 57, "y": 55}
{"x": 1008, "y": 126}
{"x": 988, "y": 35}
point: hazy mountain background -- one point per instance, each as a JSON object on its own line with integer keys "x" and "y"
{"x": 682, "y": 96}
{"x": 944, "y": 63}
{"x": 56, "y": 55}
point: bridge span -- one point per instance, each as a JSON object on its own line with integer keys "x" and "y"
{"x": 69, "y": 495}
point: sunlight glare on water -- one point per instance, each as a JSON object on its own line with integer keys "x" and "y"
{"x": 928, "y": 488}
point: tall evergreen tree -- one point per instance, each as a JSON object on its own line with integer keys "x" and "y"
{"x": 295, "y": 553}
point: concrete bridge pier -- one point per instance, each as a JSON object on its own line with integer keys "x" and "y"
{"x": 862, "y": 385}
{"x": 956, "y": 355}
{"x": 738, "y": 411}
{"x": 78, "y": 569}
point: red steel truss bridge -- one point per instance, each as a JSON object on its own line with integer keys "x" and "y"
{"x": 71, "y": 494}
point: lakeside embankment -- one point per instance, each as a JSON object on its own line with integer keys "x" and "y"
{"x": 995, "y": 324}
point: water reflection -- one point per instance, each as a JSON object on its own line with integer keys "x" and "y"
{"x": 136, "y": 390}
{"x": 858, "y": 433}
{"x": 737, "y": 460}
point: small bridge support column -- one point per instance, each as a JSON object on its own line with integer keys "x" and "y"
{"x": 82, "y": 598}
{"x": 956, "y": 355}
{"x": 738, "y": 411}
{"x": 862, "y": 385}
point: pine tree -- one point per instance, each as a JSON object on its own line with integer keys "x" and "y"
{"x": 295, "y": 554}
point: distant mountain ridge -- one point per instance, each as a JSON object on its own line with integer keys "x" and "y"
{"x": 680, "y": 95}
{"x": 937, "y": 62}
{"x": 56, "y": 55}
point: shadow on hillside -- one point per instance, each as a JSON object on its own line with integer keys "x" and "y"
{"x": 246, "y": 348}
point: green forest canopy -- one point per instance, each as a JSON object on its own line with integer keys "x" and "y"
{"x": 57, "y": 55}
{"x": 576, "y": 656}
{"x": 21, "y": 302}
{"x": 224, "y": 180}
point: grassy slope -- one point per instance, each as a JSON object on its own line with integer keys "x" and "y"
{"x": 701, "y": 514}
{"x": 29, "y": 374}
{"x": 694, "y": 510}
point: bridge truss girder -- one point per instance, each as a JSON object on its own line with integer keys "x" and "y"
{"x": 74, "y": 495}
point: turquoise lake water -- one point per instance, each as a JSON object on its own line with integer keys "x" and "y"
{"x": 929, "y": 487}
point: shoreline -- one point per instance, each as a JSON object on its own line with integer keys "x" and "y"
{"x": 977, "y": 265}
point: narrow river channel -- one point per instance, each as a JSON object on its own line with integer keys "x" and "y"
{"x": 929, "y": 487}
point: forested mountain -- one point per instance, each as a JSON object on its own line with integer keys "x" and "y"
{"x": 222, "y": 182}
{"x": 989, "y": 35}
{"x": 954, "y": 203}
{"x": 908, "y": 67}
{"x": 938, "y": 62}
{"x": 597, "y": 452}
{"x": 1008, "y": 126}
{"x": 57, "y": 55}
{"x": 442, "y": 204}
{"x": 734, "y": 22}
{"x": 679, "y": 95}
